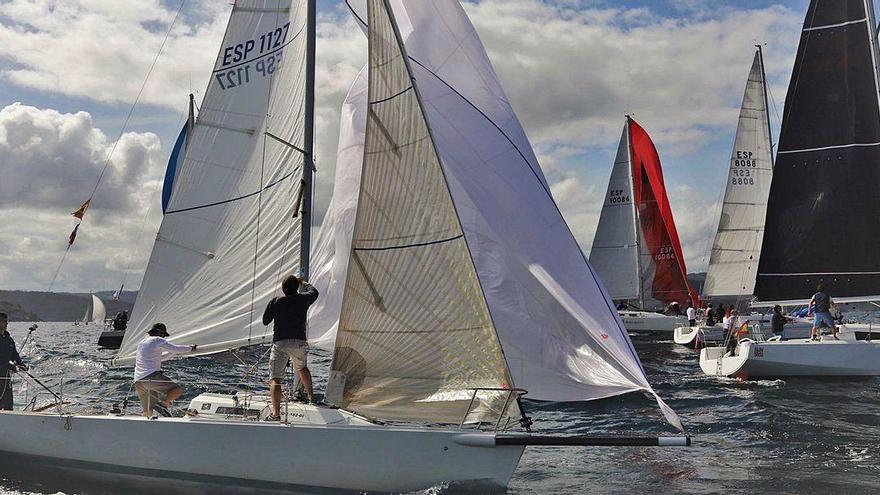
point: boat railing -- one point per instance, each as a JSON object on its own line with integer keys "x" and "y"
{"x": 119, "y": 394}
{"x": 505, "y": 417}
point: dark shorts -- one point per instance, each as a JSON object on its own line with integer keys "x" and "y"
{"x": 5, "y": 394}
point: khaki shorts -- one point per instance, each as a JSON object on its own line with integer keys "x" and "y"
{"x": 294, "y": 349}
{"x": 149, "y": 387}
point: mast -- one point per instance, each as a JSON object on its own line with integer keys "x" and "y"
{"x": 308, "y": 142}
{"x": 635, "y": 215}
{"x": 766, "y": 101}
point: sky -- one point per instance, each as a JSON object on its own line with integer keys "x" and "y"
{"x": 71, "y": 70}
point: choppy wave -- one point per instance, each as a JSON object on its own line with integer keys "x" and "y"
{"x": 791, "y": 436}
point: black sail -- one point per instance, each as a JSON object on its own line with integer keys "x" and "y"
{"x": 823, "y": 213}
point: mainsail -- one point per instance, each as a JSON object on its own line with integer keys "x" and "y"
{"x": 823, "y": 213}
{"x": 229, "y": 232}
{"x": 737, "y": 248}
{"x": 99, "y": 313}
{"x": 636, "y": 250}
{"x": 560, "y": 337}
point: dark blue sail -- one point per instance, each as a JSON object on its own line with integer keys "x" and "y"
{"x": 823, "y": 213}
{"x": 171, "y": 172}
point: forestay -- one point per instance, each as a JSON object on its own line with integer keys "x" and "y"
{"x": 228, "y": 233}
{"x": 737, "y": 248}
{"x": 561, "y": 338}
{"x": 823, "y": 212}
{"x": 414, "y": 333}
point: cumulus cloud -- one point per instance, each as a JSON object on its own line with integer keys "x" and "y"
{"x": 50, "y": 162}
{"x": 571, "y": 69}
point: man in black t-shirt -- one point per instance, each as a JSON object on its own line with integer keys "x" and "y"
{"x": 289, "y": 312}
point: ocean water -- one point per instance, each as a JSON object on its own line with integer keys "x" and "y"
{"x": 780, "y": 436}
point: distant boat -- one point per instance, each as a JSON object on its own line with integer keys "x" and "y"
{"x": 737, "y": 247}
{"x": 823, "y": 213}
{"x": 95, "y": 312}
{"x": 636, "y": 250}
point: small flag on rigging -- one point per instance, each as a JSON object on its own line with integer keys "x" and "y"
{"x": 81, "y": 211}
{"x": 73, "y": 236}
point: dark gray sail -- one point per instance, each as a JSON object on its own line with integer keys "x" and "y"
{"x": 823, "y": 214}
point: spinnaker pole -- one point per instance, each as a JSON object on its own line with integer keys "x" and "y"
{"x": 309, "y": 142}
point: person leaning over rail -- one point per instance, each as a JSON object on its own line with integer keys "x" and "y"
{"x": 149, "y": 381}
{"x": 10, "y": 362}
{"x": 289, "y": 312}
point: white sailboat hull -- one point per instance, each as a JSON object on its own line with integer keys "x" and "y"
{"x": 825, "y": 358}
{"x": 646, "y": 321}
{"x": 251, "y": 454}
{"x": 688, "y": 335}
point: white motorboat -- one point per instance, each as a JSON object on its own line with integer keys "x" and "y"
{"x": 415, "y": 344}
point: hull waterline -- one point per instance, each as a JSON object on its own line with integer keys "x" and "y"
{"x": 250, "y": 454}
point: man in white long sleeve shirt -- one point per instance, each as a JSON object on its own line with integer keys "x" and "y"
{"x": 149, "y": 381}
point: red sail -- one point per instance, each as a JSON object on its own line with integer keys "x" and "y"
{"x": 669, "y": 281}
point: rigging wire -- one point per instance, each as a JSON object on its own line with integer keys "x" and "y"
{"x": 122, "y": 130}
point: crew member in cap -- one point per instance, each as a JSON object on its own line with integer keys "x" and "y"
{"x": 149, "y": 381}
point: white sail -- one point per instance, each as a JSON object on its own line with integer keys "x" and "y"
{"x": 561, "y": 337}
{"x": 229, "y": 234}
{"x": 615, "y": 249}
{"x": 415, "y": 335}
{"x": 333, "y": 242}
{"x": 99, "y": 313}
{"x": 736, "y": 251}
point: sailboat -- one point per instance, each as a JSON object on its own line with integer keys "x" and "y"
{"x": 95, "y": 312}
{"x": 736, "y": 250}
{"x": 422, "y": 337}
{"x": 823, "y": 212}
{"x": 636, "y": 250}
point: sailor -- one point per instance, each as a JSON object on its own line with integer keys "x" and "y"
{"x": 10, "y": 362}
{"x": 691, "y": 315}
{"x": 120, "y": 322}
{"x": 149, "y": 381}
{"x": 720, "y": 313}
{"x": 710, "y": 315}
{"x": 778, "y": 320}
{"x": 289, "y": 312}
{"x": 820, "y": 305}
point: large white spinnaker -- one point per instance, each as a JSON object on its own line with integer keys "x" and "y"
{"x": 229, "y": 232}
{"x": 333, "y": 242}
{"x": 561, "y": 338}
{"x": 736, "y": 251}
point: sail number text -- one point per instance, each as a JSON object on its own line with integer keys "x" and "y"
{"x": 740, "y": 174}
{"x": 665, "y": 253}
{"x": 617, "y": 196}
{"x": 245, "y": 61}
